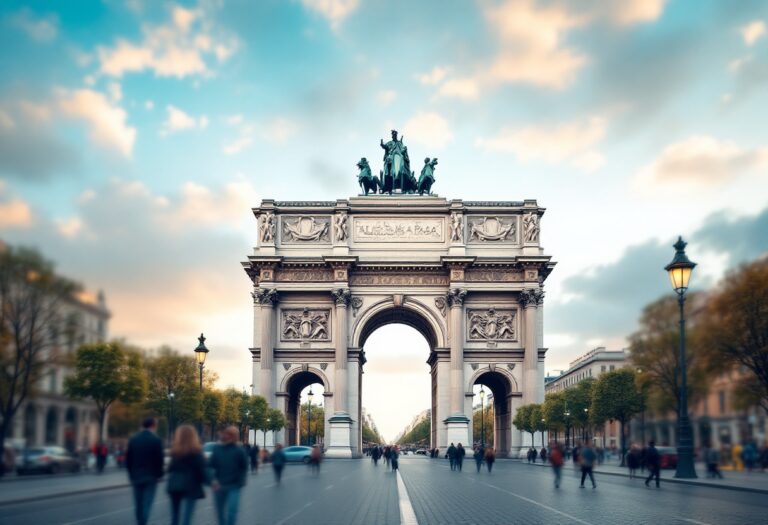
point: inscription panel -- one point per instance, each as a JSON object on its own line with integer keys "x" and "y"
{"x": 499, "y": 276}
{"x": 318, "y": 274}
{"x": 398, "y": 279}
{"x": 398, "y": 230}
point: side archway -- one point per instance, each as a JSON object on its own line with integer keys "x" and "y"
{"x": 291, "y": 387}
{"x": 503, "y": 386}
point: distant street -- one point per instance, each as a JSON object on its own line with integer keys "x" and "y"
{"x": 354, "y": 492}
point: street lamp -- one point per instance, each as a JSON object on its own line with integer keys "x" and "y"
{"x": 482, "y": 417}
{"x": 586, "y": 424}
{"x": 310, "y": 395}
{"x": 269, "y": 420}
{"x": 171, "y": 398}
{"x": 567, "y": 415}
{"x": 201, "y": 352}
{"x": 642, "y": 403}
{"x": 680, "y": 270}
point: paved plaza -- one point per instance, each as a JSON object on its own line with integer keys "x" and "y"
{"x": 356, "y": 492}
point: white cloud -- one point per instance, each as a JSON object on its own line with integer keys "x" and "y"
{"x": 701, "y": 161}
{"x": 235, "y": 120}
{"x": 237, "y": 145}
{"x": 335, "y": 11}
{"x": 178, "y": 49}
{"x": 386, "y": 97}
{"x": 738, "y": 63}
{"x": 69, "y": 227}
{"x": 572, "y": 142}
{"x": 435, "y": 76}
{"x": 115, "y": 91}
{"x": 628, "y": 12}
{"x": 15, "y": 213}
{"x": 752, "y": 32}
{"x": 276, "y": 131}
{"x": 466, "y": 88}
{"x": 149, "y": 105}
{"x": 429, "y": 129}
{"x": 107, "y": 121}
{"x": 178, "y": 120}
{"x": 41, "y": 29}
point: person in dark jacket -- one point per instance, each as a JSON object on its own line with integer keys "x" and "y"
{"x": 186, "y": 474}
{"x": 588, "y": 458}
{"x": 451, "y": 453}
{"x": 278, "y": 461}
{"x": 230, "y": 466}
{"x": 144, "y": 461}
{"x": 479, "y": 456}
{"x": 653, "y": 463}
{"x": 490, "y": 457}
{"x": 254, "y": 458}
{"x": 375, "y": 455}
{"x": 543, "y": 455}
{"x": 460, "y": 453}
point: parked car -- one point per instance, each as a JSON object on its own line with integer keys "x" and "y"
{"x": 47, "y": 459}
{"x": 668, "y": 457}
{"x": 421, "y": 452}
{"x": 297, "y": 454}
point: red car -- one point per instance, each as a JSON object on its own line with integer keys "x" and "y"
{"x": 668, "y": 457}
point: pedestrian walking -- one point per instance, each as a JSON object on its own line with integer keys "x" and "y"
{"x": 633, "y": 460}
{"x": 144, "y": 462}
{"x": 556, "y": 460}
{"x": 376, "y": 455}
{"x": 315, "y": 457}
{"x": 186, "y": 474}
{"x": 451, "y": 453}
{"x": 278, "y": 462}
{"x": 254, "y": 459}
{"x": 394, "y": 455}
{"x": 479, "y": 455}
{"x": 713, "y": 463}
{"x": 653, "y": 463}
{"x": 460, "y": 453}
{"x": 543, "y": 455}
{"x": 229, "y": 467}
{"x": 387, "y": 455}
{"x": 490, "y": 458}
{"x": 749, "y": 456}
{"x": 101, "y": 452}
{"x": 588, "y": 458}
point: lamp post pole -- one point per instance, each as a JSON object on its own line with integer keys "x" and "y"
{"x": 482, "y": 417}
{"x": 309, "y": 417}
{"x": 201, "y": 352}
{"x": 680, "y": 270}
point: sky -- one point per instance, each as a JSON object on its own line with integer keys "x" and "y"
{"x": 135, "y": 137}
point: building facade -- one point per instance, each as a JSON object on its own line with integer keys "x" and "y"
{"x": 49, "y": 417}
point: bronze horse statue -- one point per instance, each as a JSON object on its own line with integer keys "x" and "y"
{"x": 367, "y": 181}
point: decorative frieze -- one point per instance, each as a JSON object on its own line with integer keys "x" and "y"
{"x": 491, "y": 325}
{"x": 491, "y": 276}
{"x": 492, "y": 229}
{"x": 398, "y": 230}
{"x": 305, "y": 229}
{"x": 398, "y": 279}
{"x": 305, "y": 325}
{"x": 304, "y": 275}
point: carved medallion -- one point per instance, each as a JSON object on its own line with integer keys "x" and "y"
{"x": 491, "y": 325}
{"x": 305, "y": 325}
{"x": 305, "y": 229}
{"x": 493, "y": 229}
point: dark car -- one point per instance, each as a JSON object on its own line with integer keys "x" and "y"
{"x": 667, "y": 457}
{"x": 51, "y": 460}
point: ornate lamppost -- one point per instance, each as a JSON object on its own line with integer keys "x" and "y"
{"x": 171, "y": 398}
{"x": 680, "y": 270}
{"x": 310, "y": 395}
{"x": 586, "y": 425}
{"x": 482, "y": 417}
{"x": 201, "y": 352}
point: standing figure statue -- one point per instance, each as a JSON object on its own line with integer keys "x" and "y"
{"x": 427, "y": 177}
{"x": 397, "y": 165}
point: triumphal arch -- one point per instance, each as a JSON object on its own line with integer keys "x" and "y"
{"x": 467, "y": 275}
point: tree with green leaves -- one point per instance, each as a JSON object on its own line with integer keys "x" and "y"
{"x": 537, "y": 420}
{"x": 736, "y": 330}
{"x": 553, "y": 410}
{"x": 232, "y": 400}
{"x": 371, "y": 433}
{"x": 31, "y": 295}
{"x": 255, "y": 410}
{"x": 616, "y": 396}
{"x": 522, "y": 420}
{"x": 105, "y": 373}
{"x": 318, "y": 424}
{"x": 275, "y": 420}
{"x": 213, "y": 401}
{"x": 482, "y": 422}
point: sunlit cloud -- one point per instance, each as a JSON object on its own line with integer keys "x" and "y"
{"x": 14, "y": 212}
{"x": 178, "y": 120}
{"x": 40, "y": 28}
{"x": 752, "y": 32}
{"x": 571, "y": 142}
{"x": 335, "y": 11}
{"x": 434, "y": 76}
{"x": 429, "y": 129}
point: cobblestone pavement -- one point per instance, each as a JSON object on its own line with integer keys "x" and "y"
{"x": 355, "y": 492}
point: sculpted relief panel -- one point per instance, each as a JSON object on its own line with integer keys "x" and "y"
{"x": 492, "y": 229}
{"x": 398, "y": 230}
{"x": 303, "y": 229}
{"x": 305, "y": 325}
{"x": 491, "y": 325}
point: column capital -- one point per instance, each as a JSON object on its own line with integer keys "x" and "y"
{"x": 265, "y": 296}
{"x": 341, "y": 296}
{"x": 456, "y": 297}
{"x": 531, "y": 298}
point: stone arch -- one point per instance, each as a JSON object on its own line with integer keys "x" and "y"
{"x": 291, "y": 387}
{"x": 503, "y": 386}
{"x": 411, "y": 312}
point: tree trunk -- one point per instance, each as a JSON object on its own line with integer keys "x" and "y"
{"x": 623, "y": 443}
{"x": 3, "y": 427}
{"x": 102, "y": 419}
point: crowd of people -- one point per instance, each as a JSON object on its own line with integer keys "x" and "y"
{"x": 189, "y": 472}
